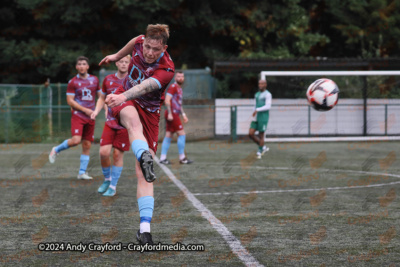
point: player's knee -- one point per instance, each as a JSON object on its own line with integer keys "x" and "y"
{"x": 135, "y": 131}
{"x": 117, "y": 155}
{"x": 104, "y": 153}
{"x": 128, "y": 122}
{"x": 76, "y": 140}
{"x": 86, "y": 144}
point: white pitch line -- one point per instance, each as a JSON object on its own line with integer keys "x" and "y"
{"x": 306, "y": 189}
{"x": 232, "y": 241}
{"x": 19, "y": 152}
{"x": 289, "y": 169}
{"x": 294, "y": 190}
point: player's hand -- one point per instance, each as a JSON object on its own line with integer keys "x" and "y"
{"x": 115, "y": 100}
{"x": 108, "y": 59}
{"x": 89, "y": 112}
{"x": 185, "y": 119}
{"x": 254, "y": 113}
{"x": 94, "y": 115}
{"x": 169, "y": 117}
{"x": 106, "y": 112}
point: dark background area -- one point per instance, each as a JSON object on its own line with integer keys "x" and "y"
{"x": 41, "y": 39}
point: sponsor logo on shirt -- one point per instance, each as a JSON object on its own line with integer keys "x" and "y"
{"x": 87, "y": 94}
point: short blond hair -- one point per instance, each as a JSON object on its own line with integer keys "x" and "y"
{"x": 158, "y": 32}
{"x": 128, "y": 56}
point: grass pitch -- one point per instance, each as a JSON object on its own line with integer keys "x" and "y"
{"x": 332, "y": 204}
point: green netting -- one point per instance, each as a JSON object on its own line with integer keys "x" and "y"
{"x": 33, "y": 113}
{"x": 35, "y": 124}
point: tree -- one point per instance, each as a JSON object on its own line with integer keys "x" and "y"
{"x": 42, "y": 38}
{"x": 364, "y": 29}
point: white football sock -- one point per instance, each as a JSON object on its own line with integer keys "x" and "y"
{"x": 144, "y": 227}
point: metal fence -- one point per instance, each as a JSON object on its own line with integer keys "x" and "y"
{"x": 35, "y": 113}
{"x": 41, "y": 124}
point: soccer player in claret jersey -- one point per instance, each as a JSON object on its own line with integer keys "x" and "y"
{"x": 173, "y": 102}
{"x": 81, "y": 94}
{"x": 114, "y": 135}
{"x": 262, "y": 105}
{"x": 136, "y": 105}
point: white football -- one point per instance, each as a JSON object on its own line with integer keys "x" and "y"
{"x": 323, "y": 94}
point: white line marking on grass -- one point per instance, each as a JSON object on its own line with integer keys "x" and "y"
{"x": 332, "y": 139}
{"x": 289, "y": 169}
{"x": 307, "y": 189}
{"x": 294, "y": 190}
{"x": 232, "y": 241}
{"x": 19, "y": 152}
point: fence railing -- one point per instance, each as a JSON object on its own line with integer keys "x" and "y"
{"x": 41, "y": 124}
{"x": 33, "y": 113}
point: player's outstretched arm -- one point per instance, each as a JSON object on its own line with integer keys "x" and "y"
{"x": 147, "y": 86}
{"x": 126, "y": 50}
{"x": 73, "y": 104}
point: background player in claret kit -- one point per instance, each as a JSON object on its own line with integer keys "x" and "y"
{"x": 114, "y": 135}
{"x": 81, "y": 96}
{"x": 173, "y": 102}
{"x": 137, "y": 107}
{"x": 262, "y": 106}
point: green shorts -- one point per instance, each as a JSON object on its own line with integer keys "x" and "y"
{"x": 260, "y": 126}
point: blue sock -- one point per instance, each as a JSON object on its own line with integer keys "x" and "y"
{"x": 181, "y": 144}
{"x": 115, "y": 174}
{"x": 106, "y": 172}
{"x": 146, "y": 207}
{"x": 138, "y": 147}
{"x": 84, "y": 163}
{"x": 165, "y": 146}
{"x": 62, "y": 146}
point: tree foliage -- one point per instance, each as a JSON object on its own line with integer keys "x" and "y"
{"x": 42, "y": 38}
